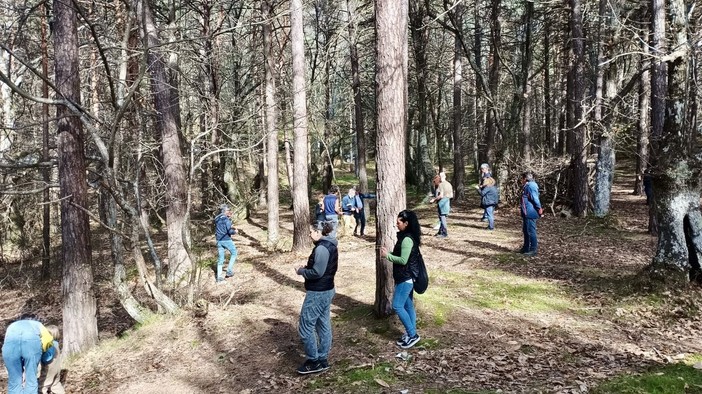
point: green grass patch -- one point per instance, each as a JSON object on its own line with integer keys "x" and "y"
{"x": 362, "y": 379}
{"x": 490, "y": 289}
{"x": 667, "y": 379}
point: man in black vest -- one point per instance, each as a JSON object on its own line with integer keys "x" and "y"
{"x": 315, "y": 317}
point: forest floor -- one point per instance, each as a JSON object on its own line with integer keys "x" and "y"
{"x": 491, "y": 321}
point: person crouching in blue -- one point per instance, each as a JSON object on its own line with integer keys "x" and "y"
{"x": 315, "y": 317}
{"x": 530, "y": 208}
{"x": 223, "y": 233}
{"x": 25, "y": 342}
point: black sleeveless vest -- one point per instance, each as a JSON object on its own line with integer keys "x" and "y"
{"x": 326, "y": 281}
{"x": 401, "y": 273}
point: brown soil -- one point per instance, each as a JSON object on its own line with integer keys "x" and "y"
{"x": 250, "y": 344}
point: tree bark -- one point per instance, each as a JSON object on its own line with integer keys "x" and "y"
{"x": 642, "y": 132}
{"x": 167, "y": 129}
{"x": 46, "y": 171}
{"x": 458, "y": 163}
{"x": 301, "y": 203}
{"x": 579, "y": 153}
{"x": 79, "y": 304}
{"x": 391, "y": 102}
{"x": 358, "y": 120}
{"x": 271, "y": 125}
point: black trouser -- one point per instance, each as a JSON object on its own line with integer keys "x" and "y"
{"x": 360, "y": 220}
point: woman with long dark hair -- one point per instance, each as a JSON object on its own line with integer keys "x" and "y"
{"x": 405, "y": 252}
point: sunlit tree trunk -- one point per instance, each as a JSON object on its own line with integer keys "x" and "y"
{"x": 457, "y": 124}
{"x": 677, "y": 177}
{"x": 391, "y": 102}
{"x": 271, "y": 125}
{"x": 300, "y": 192}
{"x": 579, "y": 152}
{"x": 167, "y": 130}
{"x": 358, "y": 120}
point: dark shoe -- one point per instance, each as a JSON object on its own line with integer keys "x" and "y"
{"x": 324, "y": 364}
{"x": 490, "y": 228}
{"x": 310, "y": 366}
{"x": 402, "y": 340}
{"x": 411, "y": 341}
{"x": 520, "y": 251}
{"x": 228, "y": 275}
{"x": 530, "y": 253}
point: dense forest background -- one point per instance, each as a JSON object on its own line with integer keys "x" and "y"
{"x": 142, "y": 117}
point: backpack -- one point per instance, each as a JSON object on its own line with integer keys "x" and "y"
{"x": 419, "y": 274}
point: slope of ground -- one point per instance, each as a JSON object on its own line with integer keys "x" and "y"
{"x": 491, "y": 321}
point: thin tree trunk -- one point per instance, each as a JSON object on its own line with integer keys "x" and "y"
{"x": 358, "y": 123}
{"x": 643, "y": 123}
{"x": 458, "y": 163}
{"x": 46, "y": 170}
{"x": 167, "y": 120}
{"x": 271, "y": 125}
{"x": 579, "y": 153}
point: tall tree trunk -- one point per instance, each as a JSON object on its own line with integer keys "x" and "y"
{"x": 358, "y": 121}
{"x": 458, "y": 164}
{"x": 420, "y": 41}
{"x": 525, "y": 98}
{"x": 493, "y": 79}
{"x": 79, "y": 304}
{"x": 391, "y": 101}
{"x": 677, "y": 177}
{"x": 549, "y": 134}
{"x": 579, "y": 153}
{"x": 301, "y": 203}
{"x": 642, "y": 130}
{"x": 271, "y": 125}
{"x": 167, "y": 129}
{"x": 605, "y": 110}
{"x": 46, "y": 170}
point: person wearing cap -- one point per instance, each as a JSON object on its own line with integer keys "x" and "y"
{"x": 224, "y": 229}
{"x": 26, "y": 340}
{"x": 51, "y": 364}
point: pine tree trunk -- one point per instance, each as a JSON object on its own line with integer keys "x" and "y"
{"x": 300, "y": 190}
{"x": 391, "y": 101}
{"x": 79, "y": 304}
{"x": 579, "y": 152}
{"x": 457, "y": 124}
{"x": 271, "y": 126}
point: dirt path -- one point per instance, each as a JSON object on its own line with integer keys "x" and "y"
{"x": 491, "y": 319}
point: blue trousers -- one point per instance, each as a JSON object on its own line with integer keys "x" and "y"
{"x": 221, "y": 247}
{"x": 315, "y": 324}
{"x": 531, "y": 244}
{"x": 404, "y": 307}
{"x": 21, "y": 353}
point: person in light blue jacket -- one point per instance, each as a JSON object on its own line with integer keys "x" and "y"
{"x": 223, "y": 234}
{"x": 26, "y": 341}
{"x": 530, "y": 208}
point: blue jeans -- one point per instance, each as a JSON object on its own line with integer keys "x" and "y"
{"x": 334, "y": 219}
{"x": 315, "y": 324}
{"x": 529, "y": 231}
{"x": 490, "y": 215}
{"x": 227, "y": 244}
{"x": 21, "y": 352}
{"x": 404, "y": 307}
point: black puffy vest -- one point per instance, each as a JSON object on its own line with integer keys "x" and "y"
{"x": 326, "y": 281}
{"x": 401, "y": 273}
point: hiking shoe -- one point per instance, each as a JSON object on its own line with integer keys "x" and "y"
{"x": 310, "y": 366}
{"x": 323, "y": 363}
{"x": 411, "y": 341}
{"x": 402, "y": 340}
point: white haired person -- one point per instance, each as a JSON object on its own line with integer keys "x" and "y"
{"x": 51, "y": 364}
{"x": 444, "y": 194}
{"x": 485, "y": 172}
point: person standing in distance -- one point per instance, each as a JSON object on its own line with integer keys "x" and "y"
{"x": 224, "y": 229}
{"x": 332, "y": 209}
{"x": 485, "y": 173}
{"x": 530, "y": 209}
{"x": 315, "y": 327}
{"x": 404, "y": 253}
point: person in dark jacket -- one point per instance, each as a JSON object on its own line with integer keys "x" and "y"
{"x": 485, "y": 172}
{"x": 332, "y": 208}
{"x": 404, "y": 254}
{"x": 488, "y": 200}
{"x": 361, "y": 215}
{"x": 223, "y": 232}
{"x": 530, "y": 208}
{"x": 315, "y": 317}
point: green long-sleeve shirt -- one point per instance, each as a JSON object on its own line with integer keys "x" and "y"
{"x": 405, "y": 251}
